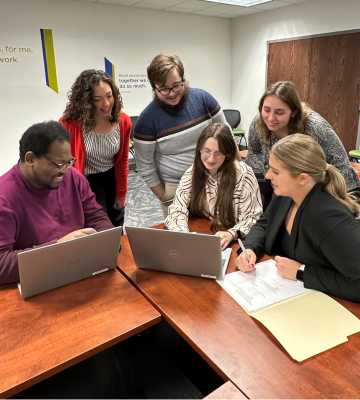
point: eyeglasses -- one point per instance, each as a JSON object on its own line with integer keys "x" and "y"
{"x": 61, "y": 167}
{"x": 207, "y": 153}
{"x": 176, "y": 89}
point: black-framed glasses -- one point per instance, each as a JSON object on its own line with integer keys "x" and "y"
{"x": 176, "y": 89}
{"x": 61, "y": 167}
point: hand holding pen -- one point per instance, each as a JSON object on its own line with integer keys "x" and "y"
{"x": 246, "y": 260}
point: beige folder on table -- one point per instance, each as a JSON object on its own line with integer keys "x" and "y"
{"x": 308, "y": 324}
{"x": 305, "y": 324}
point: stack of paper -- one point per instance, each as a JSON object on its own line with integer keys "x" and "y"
{"x": 305, "y": 322}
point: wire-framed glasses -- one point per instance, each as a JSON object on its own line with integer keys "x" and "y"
{"x": 216, "y": 154}
{"x": 61, "y": 167}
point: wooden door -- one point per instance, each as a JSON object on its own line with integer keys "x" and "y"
{"x": 326, "y": 71}
{"x": 290, "y": 61}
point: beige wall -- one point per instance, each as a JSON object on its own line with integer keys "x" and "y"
{"x": 225, "y": 57}
{"x": 84, "y": 33}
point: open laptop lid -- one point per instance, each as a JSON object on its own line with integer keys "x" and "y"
{"x": 176, "y": 252}
{"x": 59, "y": 264}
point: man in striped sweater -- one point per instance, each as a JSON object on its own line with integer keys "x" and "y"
{"x": 167, "y": 131}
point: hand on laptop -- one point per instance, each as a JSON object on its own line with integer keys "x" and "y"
{"x": 226, "y": 238}
{"x": 77, "y": 234}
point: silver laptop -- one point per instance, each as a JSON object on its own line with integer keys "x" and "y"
{"x": 177, "y": 252}
{"x": 59, "y": 264}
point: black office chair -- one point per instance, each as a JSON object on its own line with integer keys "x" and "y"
{"x": 233, "y": 117}
{"x": 131, "y": 144}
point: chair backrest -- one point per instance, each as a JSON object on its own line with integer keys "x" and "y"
{"x": 233, "y": 117}
{"x": 133, "y": 122}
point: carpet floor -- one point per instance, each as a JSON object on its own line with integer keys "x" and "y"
{"x": 143, "y": 208}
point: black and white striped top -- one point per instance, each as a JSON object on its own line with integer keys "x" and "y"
{"x": 100, "y": 150}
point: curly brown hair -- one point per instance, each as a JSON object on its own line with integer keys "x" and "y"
{"x": 287, "y": 93}
{"x": 81, "y": 103}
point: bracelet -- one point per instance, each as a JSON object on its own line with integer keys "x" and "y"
{"x": 233, "y": 237}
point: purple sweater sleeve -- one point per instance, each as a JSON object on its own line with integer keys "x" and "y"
{"x": 98, "y": 220}
{"x": 11, "y": 224}
{"x": 9, "y": 271}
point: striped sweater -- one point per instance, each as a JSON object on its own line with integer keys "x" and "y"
{"x": 247, "y": 200}
{"x": 165, "y": 144}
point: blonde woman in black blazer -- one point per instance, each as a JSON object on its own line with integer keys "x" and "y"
{"x": 312, "y": 224}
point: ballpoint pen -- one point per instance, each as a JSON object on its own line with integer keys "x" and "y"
{"x": 244, "y": 250}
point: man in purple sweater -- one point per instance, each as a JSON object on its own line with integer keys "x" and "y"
{"x": 42, "y": 199}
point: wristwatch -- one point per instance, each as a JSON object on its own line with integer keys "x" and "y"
{"x": 300, "y": 275}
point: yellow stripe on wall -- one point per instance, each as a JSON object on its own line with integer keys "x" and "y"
{"x": 50, "y": 58}
{"x": 113, "y": 73}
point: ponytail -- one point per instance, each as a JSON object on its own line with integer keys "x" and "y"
{"x": 335, "y": 184}
{"x": 300, "y": 153}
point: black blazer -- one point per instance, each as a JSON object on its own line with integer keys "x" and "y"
{"x": 325, "y": 236}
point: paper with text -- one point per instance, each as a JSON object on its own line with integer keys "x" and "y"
{"x": 260, "y": 288}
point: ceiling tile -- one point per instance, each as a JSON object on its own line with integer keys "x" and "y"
{"x": 223, "y": 8}
{"x": 178, "y": 9}
{"x": 207, "y": 13}
{"x": 152, "y": 6}
{"x": 271, "y": 5}
{"x": 226, "y": 15}
{"x": 165, "y": 3}
{"x": 234, "y": 9}
{"x": 197, "y": 5}
{"x": 200, "y": 7}
{"x": 294, "y": 1}
{"x": 245, "y": 11}
{"x": 119, "y": 2}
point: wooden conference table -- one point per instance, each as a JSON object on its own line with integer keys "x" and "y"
{"x": 50, "y": 332}
{"x": 239, "y": 347}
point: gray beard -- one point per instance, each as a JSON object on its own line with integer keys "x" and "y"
{"x": 174, "y": 109}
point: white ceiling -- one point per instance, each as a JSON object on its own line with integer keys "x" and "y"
{"x": 199, "y": 7}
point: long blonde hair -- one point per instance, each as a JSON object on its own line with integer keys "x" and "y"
{"x": 287, "y": 93}
{"x": 302, "y": 154}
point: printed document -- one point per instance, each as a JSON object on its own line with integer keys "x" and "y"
{"x": 305, "y": 322}
{"x": 260, "y": 288}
